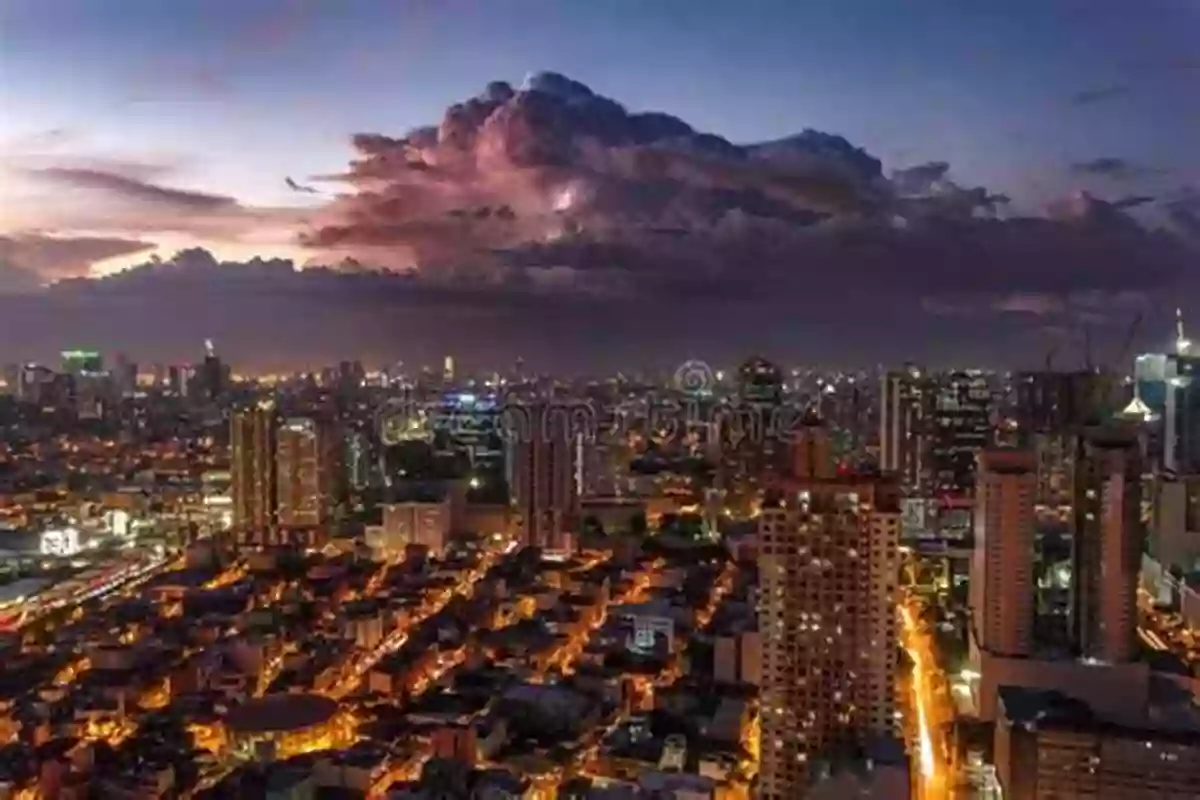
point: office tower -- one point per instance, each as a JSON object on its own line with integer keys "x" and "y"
{"x": 1165, "y": 386}
{"x": 960, "y": 427}
{"x": 828, "y": 563}
{"x": 78, "y": 362}
{"x": 253, "y": 447}
{"x": 125, "y": 375}
{"x": 902, "y": 426}
{"x": 211, "y": 375}
{"x": 1061, "y": 402}
{"x": 542, "y": 451}
{"x": 752, "y": 430}
{"x": 1107, "y": 539}
{"x": 307, "y": 470}
{"x": 448, "y": 370}
{"x": 1002, "y": 579}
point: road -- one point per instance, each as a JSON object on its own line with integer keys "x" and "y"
{"x": 926, "y": 683}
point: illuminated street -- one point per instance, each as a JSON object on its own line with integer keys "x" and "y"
{"x": 934, "y": 770}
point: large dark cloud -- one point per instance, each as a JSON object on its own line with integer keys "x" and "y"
{"x": 516, "y": 182}
{"x": 551, "y": 222}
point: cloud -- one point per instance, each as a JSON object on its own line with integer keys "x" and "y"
{"x": 550, "y": 219}
{"x": 1184, "y": 212}
{"x": 625, "y": 202}
{"x": 1100, "y": 94}
{"x": 54, "y": 257}
{"x": 133, "y": 189}
{"x": 1119, "y": 169}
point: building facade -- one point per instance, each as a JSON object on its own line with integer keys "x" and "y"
{"x": 828, "y": 564}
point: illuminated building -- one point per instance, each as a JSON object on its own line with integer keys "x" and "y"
{"x": 750, "y": 430}
{"x": 308, "y": 461}
{"x": 902, "y": 425}
{"x": 448, "y": 370}
{"x": 1002, "y": 587}
{"x": 1049, "y": 745}
{"x": 543, "y": 448}
{"x": 1165, "y": 387}
{"x": 760, "y": 381}
{"x": 253, "y": 486}
{"x": 280, "y": 726}
{"x": 960, "y": 427}
{"x": 424, "y": 524}
{"x": 1107, "y": 539}
{"x": 828, "y": 564}
{"x": 82, "y": 362}
{"x": 211, "y": 375}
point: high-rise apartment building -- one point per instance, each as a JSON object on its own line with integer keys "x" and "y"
{"x": 1002, "y": 578}
{"x": 252, "y": 455}
{"x": 902, "y": 434}
{"x": 1107, "y": 539}
{"x": 307, "y": 472}
{"x": 828, "y": 564}
{"x": 542, "y": 474}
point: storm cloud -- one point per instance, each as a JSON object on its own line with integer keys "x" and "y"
{"x": 551, "y": 222}
{"x": 514, "y": 182}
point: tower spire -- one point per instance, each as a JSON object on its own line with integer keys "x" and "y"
{"x": 1182, "y": 343}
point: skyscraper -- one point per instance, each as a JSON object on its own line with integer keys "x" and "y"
{"x": 1002, "y": 578}
{"x": 1107, "y": 539}
{"x": 542, "y": 452}
{"x": 902, "y": 426}
{"x": 960, "y": 427}
{"x": 252, "y": 442}
{"x": 828, "y": 563}
{"x": 308, "y": 472}
{"x": 1061, "y": 402}
{"x": 1166, "y": 385}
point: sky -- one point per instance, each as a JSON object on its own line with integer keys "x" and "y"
{"x": 170, "y": 125}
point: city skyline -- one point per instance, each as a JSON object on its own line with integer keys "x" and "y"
{"x": 839, "y": 187}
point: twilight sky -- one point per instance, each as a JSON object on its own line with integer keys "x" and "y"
{"x": 170, "y": 125}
